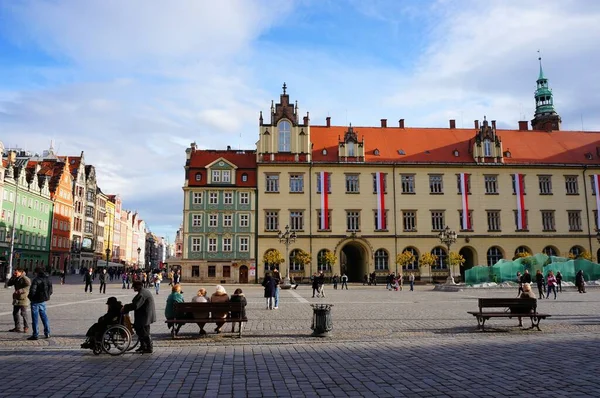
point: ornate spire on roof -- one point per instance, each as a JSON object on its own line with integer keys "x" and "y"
{"x": 545, "y": 117}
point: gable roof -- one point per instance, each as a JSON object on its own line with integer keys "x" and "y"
{"x": 242, "y": 159}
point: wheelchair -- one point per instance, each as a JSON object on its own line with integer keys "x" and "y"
{"x": 117, "y": 339}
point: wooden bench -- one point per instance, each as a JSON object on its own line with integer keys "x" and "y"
{"x": 513, "y": 308}
{"x": 202, "y": 313}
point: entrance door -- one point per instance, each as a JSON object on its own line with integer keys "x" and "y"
{"x": 353, "y": 261}
{"x": 243, "y": 274}
{"x": 469, "y": 263}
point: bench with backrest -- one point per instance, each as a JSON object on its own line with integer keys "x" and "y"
{"x": 203, "y": 313}
{"x": 513, "y": 308}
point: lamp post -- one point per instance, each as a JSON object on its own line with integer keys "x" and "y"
{"x": 107, "y": 256}
{"x": 448, "y": 237}
{"x": 139, "y": 251}
{"x": 286, "y": 238}
{"x": 11, "y": 162}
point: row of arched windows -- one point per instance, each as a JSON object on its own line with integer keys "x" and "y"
{"x": 382, "y": 257}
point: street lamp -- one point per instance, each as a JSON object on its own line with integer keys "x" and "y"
{"x": 11, "y": 162}
{"x": 286, "y": 237}
{"x": 448, "y": 237}
{"x": 139, "y": 251}
{"x": 107, "y": 256}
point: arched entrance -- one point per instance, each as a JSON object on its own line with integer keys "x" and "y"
{"x": 470, "y": 261}
{"x": 243, "y": 277}
{"x": 354, "y": 261}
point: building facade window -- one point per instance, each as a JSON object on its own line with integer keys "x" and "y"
{"x": 375, "y": 182}
{"x": 284, "y": 133}
{"x": 244, "y": 198}
{"x": 227, "y": 220}
{"x": 352, "y": 185}
{"x": 296, "y": 220}
{"x": 296, "y": 183}
{"x": 458, "y": 185}
{"x": 545, "y": 185}
{"x": 415, "y": 264}
{"x": 244, "y": 244}
{"x": 195, "y": 271}
{"x": 216, "y": 176}
{"x": 213, "y": 198}
{"x": 493, "y": 220}
{"x": 576, "y": 251}
{"x": 491, "y": 184}
{"x": 196, "y": 245}
{"x": 409, "y": 220}
{"x": 487, "y": 148}
{"x": 436, "y": 184}
{"x": 514, "y": 187}
{"x": 228, "y": 198}
{"x": 226, "y": 175}
{"x": 572, "y": 185}
{"x": 295, "y": 265}
{"x": 469, "y": 216}
{"x": 272, "y": 182}
{"x": 381, "y": 260}
{"x": 322, "y": 265}
{"x": 526, "y": 223}
{"x": 550, "y": 251}
{"x": 319, "y": 215}
{"x": 437, "y": 220}
{"x": 212, "y": 245}
{"x": 271, "y": 220}
{"x": 212, "y": 271}
{"x": 548, "y": 220}
{"x": 352, "y": 220}
{"x": 574, "y": 217}
{"x": 376, "y": 215}
{"x": 494, "y": 254}
{"x": 244, "y": 220}
{"x": 196, "y": 220}
{"x": 441, "y": 254}
{"x": 226, "y": 244}
{"x": 408, "y": 183}
{"x": 328, "y": 182}
{"x": 213, "y": 220}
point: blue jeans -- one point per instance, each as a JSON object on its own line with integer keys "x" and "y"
{"x": 412, "y": 284}
{"x": 41, "y": 309}
{"x": 551, "y": 289}
{"x": 157, "y": 286}
{"x": 277, "y": 297}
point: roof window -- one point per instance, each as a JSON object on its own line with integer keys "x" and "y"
{"x": 376, "y": 152}
{"x": 324, "y": 151}
{"x": 456, "y": 153}
{"x": 401, "y": 152}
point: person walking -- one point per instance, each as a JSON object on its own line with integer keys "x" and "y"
{"x": 124, "y": 279}
{"x": 144, "y": 313}
{"x": 177, "y": 277}
{"x": 344, "y": 281}
{"x": 539, "y": 280}
{"x": 269, "y": 285}
{"x": 170, "y": 276}
{"x": 157, "y": 280}
{"x": 519, "y": 281}
{"x": 321, "y": 285}
{"x": 551, "y": 282}
{"x": 39, "y": 292}
{"x": 366, "y": 280}
{"x": 559, "y": 281}
{"x": 411, "y": 280}
{"x": 88, "y": 278}
{"x": 102, "y": 279}
{"x": 315, "y": 284}
{"x": 334, "y": 280}
{"x": 20, "y": 300}
{"x": 580, "y": 281}
{"x": 276, "y": 282}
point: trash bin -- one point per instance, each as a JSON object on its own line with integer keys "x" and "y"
{"x": 322, "y": 323}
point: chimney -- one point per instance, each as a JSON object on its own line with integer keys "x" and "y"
{"x": 476, "y": 124}
{"x": 229, "y": 147}
{"x": 328, "y": 118}
{"x": 523, "y": 125}
{"x": 383, "y": 123}
{"x": 401, "y": 123}
{"x": 306, "y": 120}
{"x": 493, "y": 125}
{"x": 452, "y": 123}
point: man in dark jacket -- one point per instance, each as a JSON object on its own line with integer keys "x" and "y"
{"x": 142, "y": 306}
{"x": 88, "y": 279}
{"x": 20, "y": 300}
{"x": 39, "y": 292}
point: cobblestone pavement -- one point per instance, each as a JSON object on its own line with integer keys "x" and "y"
{"x": 384, "y": 344}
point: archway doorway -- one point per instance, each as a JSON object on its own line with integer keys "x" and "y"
{"x": 469, "y": 256}
{"x": 243, "y": 277}
{"x": 353, "y": 261}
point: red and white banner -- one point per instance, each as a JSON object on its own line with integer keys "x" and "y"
{"x": 380, "y": 190}
{"x": 465, "y": 223}
{"x": 323, "y": 181}
{"x": 520, "y": 192}
{"x": 597, "y": 190}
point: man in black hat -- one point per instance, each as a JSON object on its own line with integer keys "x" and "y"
{"x": 142, "y": 306}
{"x": 112, "y": 316}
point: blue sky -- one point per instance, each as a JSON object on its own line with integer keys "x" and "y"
{"x": 133, "y": 83}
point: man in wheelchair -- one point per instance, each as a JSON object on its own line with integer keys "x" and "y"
{"x": 112, "y": 317}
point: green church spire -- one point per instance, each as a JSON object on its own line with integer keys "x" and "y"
{"x": 544, "y": 105}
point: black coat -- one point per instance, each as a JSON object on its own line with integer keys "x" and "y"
{"x": 579, "y": 278}
{"x": 526, "y": 278}
{"x": 270, "y": 285}
{"x": 41, "y": 289}
{"x": 239, "y": 298}
{"x": 102, "y": 277}
{"x": 88, "y": 278}
{"x": 143, "y": 309}
{"x": 110, "y": 318}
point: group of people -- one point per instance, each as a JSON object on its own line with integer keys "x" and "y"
{"x": 551, "y": 283}
{"x": 336, "y": 279}
{"x": 271, "y": 284}
{"x": 219, "y": 296}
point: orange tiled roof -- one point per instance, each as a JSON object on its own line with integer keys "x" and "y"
{"x": 436, "y": 145}
{"x": 242, "y": 159}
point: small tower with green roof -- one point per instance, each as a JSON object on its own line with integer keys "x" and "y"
{"x": 545, "y": 117}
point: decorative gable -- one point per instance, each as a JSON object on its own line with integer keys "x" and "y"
{"x": 487, "y": 146}
{"x": 350, "y": 149}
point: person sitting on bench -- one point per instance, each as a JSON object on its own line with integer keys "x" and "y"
{"x": 201, "y": 298}
{"x": 238, "y": 297}
{"x": 174, "y": 297}
{"x": 219, "y": 296}
{"x": 526, "y": 294}
{"x": 112, "y": 316}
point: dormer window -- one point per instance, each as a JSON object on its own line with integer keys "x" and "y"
{"x": 216, "y": 176}
{"x": 284, "y": 136}
{"x": 487, "y": 147}
{"x": 226, "y": 176}
{"x": 350, "y": 149}
{"x": 507, "y": 154}
{"x": 324, "y": 151}
{"x": 198, "y": 176}
{"x": 456, "y": 153}
{"x": 244, "y": 177}
{"x": 376, "y": 152}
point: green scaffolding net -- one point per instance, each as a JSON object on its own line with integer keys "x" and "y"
{"x": 506, "y": 270}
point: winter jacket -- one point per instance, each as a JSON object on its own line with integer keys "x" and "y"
{"x": 143, "y": 309}
{"x": 170, "y": 307}
{"x": 21, "y": 284}
{"x": 270, "y": 286}
{"x": 219, "y": 298}
{"x": 41, "y": 289}
{"x": 239, "y": 298}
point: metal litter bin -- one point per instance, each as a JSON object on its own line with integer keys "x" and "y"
{"x": 322, "y": 323}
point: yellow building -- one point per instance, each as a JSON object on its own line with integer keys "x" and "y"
{"x": 109, "y": 225}
{"x": 394, "y": 189}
